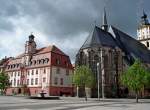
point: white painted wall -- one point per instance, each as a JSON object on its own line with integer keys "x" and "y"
{"x": 12, "y": 77}
{"x": 67, "y": 79}
{"x": 144, "y": 33}
{"x": 40, "y": 77}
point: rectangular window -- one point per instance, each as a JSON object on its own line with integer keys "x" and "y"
{"x": 67, "y": 72}
{"x": 44, "y": 79}
{"x": 32, "y": 81}
{"x": 56, "y": 80}
{"x": 27, "y": 81}
{"x": 61, "y": 81}
{"x": 36, "y": 81}
{"x": 36, "y": 71}
{"x": 44, "y": 71}
{"x": 32, "y": 72}
{"x": 57, "y": 71}
{"x": 11, "y": 83}
{"x": 14, "y": 82}
{"x": 18, "y": 73}
{"x": 15, "y": 74}
{"x": 18, "y": 82}
{"x": 28, "y": 72}
{"x": 12, "y": 74}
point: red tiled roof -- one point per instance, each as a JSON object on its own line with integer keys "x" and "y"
{"x": 20, "y": 56}
{"x": 43, "y": 50}
{"x": 52, "y": 48}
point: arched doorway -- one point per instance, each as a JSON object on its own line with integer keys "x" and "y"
{"x": 19, "y": 91}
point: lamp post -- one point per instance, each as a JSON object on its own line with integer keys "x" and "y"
{"x": 98, "y": 80}
{"x": 116, "y": 67}
{"x": 103, "y": 74}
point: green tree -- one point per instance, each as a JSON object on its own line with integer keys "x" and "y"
{"x": 83, "y": 77}
{"x": 136, "y": 77}
{"x": 4, "y": 82}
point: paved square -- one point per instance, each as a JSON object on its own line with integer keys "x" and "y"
{"x": 71, "y": 103}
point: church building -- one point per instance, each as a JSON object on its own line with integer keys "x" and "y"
{"x": 108, "y": 52}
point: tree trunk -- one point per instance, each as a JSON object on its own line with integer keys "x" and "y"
{"x": 136, "y": 97}
{"x": 85, "y": 95}
{"x": 77, "y": 91}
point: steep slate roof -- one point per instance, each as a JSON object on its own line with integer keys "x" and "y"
{"x": 132, "y": 47}
{"x": 99, "y": 37}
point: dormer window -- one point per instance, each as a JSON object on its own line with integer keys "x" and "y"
{"x": 46, "y": 60}
{"x": 17, "y": 65}
{"x": 30, "y": 63}
{"x": 34, "y": 62}
{"x": 42, "y": 60}
{"x": 38, "y": 61}
{"x": 8, "y": 66}
{"x": 14, "y": 65}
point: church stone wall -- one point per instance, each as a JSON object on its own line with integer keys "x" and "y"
{"x": 112, "y": 63}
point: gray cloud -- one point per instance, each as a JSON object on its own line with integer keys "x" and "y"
{"x": 61, "y": 20}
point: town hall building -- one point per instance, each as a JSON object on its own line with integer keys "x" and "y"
{"x": 47, "y": 70}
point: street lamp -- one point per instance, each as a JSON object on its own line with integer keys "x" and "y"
{"x": 101, "y": 64}
{"x": 103, "y": 74}
{"x": 98, "y": 80}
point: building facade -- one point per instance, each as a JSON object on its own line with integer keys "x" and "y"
{"x": 46, "y": 69}
{"x": 3, "y": 63}
{"x": 108, "y": 52}
{"x": 143, "y": 31}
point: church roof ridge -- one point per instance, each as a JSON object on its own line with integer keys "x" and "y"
{"x": 99, "y": 37}
{"x": 131, "y": 46}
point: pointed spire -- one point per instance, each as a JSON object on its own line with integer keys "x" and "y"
{"x": 104, "y": 17}
{"x": 144, "y": 20}
{"x": 104, "y": 25}
{"x": 144, "y": 14}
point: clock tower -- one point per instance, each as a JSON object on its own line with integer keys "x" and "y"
{"x": 30, "y": 49}
{"x": 143, "y": 31}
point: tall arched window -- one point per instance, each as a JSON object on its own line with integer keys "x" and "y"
{"x": 147, "y": 43}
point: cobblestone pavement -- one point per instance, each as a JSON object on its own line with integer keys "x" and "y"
{"x": 71, "y": 103}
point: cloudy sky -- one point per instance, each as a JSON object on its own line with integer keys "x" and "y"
{"x": 64, "y": 23}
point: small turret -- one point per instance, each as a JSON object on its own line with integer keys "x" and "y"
{"x": 30, "y": 46}
{"x": 144, "y": 20}
{"x": 31, "y": 38}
